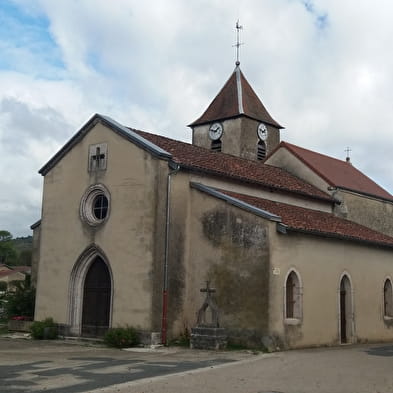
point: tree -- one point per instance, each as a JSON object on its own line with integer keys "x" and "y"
{"x": 19, "y": 301}
{"x": 8, "y": 254}
{"x": 25, "y": 258}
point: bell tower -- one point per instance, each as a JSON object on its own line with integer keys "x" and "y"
{"x": 236, "y": 122}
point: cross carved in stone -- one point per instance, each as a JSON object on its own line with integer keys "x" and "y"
{"x": 209, "y": 303}
{"x": 98, "y": 158}
{"x": 208, "y": 290}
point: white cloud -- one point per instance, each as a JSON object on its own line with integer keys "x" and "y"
{"x": 322, "y": 68}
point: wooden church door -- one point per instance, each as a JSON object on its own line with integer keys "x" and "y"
{"x": 96, "y": 299}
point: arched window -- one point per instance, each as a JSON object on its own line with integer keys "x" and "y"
{"x": 261, "y": 150}
{"x": 216, "y": 145}
{"x": 387, "y": 299}
{"x": 293, "y": 296}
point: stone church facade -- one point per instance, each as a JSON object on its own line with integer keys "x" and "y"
{"x": 133, "y": 224}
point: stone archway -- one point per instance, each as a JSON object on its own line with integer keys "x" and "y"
{"x": 91, "y": 283}
{"x": 96, "y": 299}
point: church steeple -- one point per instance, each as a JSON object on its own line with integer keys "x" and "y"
{"x": 240, "y": 114}
{"x": 236, "y": 98}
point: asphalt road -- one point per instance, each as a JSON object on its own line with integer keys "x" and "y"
{"x": 31, "y": 366}
{"x": 68, "y": 367}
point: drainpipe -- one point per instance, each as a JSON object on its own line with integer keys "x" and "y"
{"x": 175, "y": 168}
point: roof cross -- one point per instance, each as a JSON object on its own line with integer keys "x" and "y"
{"x": 347, "y": 150}
{"x": 238, "y": 43}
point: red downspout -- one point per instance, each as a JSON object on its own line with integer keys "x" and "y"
{"x": 176, "y": 168}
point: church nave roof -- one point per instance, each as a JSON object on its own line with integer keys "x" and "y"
{"x": 291, "y": 218}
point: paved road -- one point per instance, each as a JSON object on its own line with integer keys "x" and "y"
{"x": 59, "y": 367}
{"x": 31, "y": 366}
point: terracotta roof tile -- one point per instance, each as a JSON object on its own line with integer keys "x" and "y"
{"x": 225, "y": 165}
{"x": 315, "y": 222}
{"x": 236, "y": 98}
{"x": 336, "y": 172}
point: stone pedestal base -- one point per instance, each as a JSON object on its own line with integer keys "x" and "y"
{"x": 208, "y": 338}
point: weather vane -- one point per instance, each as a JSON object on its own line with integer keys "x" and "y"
{"x": 238, "y": 43}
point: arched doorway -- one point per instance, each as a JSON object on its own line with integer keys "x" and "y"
{"x": 346, "y": 313}
{"x": 96, "y": 299}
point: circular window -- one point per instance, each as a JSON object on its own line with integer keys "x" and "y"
{"x": 95, "y": 203}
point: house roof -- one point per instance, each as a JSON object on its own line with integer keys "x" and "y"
{"x": 236, "y": 98}
{"x": 6, "y": 273}
{"x": 225, "y": 165}
{"x": 315, "y": 222}
{"x": 336, "y": 173}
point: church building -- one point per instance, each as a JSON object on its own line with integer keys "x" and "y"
{"x": 297, "y": 245}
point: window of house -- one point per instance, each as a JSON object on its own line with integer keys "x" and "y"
{"x": 216, "y": 145}
{"x": 261, "y": 150}
{"x": 98, "y": 157}
{"x": 293, "y": 297}
{"x": 388, "y": 299}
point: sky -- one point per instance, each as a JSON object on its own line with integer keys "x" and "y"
{"x": 322, "y": 68}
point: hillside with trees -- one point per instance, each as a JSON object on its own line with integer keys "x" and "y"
{"x": 14, "y": 252}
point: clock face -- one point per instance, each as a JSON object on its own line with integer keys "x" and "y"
{"x": 215, "y": 131}
{"x": 262, "y": 132}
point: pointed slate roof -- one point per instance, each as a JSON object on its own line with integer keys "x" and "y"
{"x": 236, "y": 98}
{"x": 337, "y": 173}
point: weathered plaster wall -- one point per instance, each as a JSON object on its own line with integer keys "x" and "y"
{"x": 229, "y": 247}
{"x": 239, "y": 137}
{"x": 374, "y": 213}
{"x": 283, "y": 158}
{"x": 321, "y": 263}
{"x": 127, "y": 238}
{"x": 35, "y": 255}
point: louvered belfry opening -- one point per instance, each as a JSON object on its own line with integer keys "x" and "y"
{"x": 216, "y": 145}
{"x": 96, "y": 300}
{"x": 261, "y": 150}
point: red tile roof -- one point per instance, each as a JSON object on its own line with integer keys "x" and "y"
{"x": 5, "y": 273}
{"x": 225, "y": 165}
{"x": 336, "y": 172}
{"x": 236, "y": 98}
{"x": 315, "y": 222}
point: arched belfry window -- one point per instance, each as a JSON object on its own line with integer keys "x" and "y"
{"x": 293, "y": 296}
{"x": 387, "y": 299}
{"x": 261, "y": 150}
{"x": 216, "y": 145}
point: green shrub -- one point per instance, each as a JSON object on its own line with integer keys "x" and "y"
{"x": 46, "y": 329}
{"x": 121, "y": 337}
{"x": 20, "y": 300}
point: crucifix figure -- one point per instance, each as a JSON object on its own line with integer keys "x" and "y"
{"x": 238, "y": 43}
{"x": 208, "y": 303}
